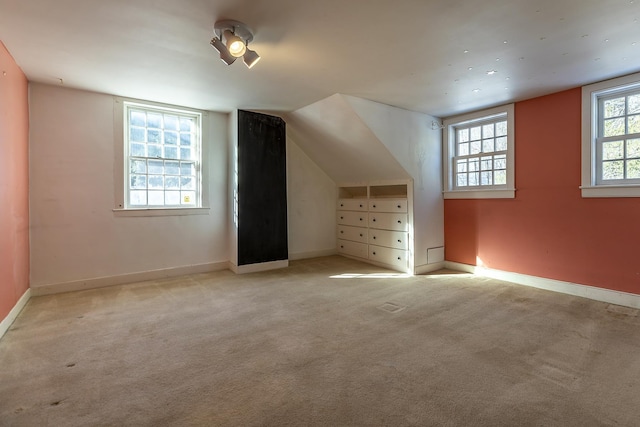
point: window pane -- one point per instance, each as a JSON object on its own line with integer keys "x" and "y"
{"x": 188, "y": 197}
{"x": 614, "y": 127}
{"x": 486, "y": 178}
{"x": 475, "y": 133}
{"x": 633, "y": 148}
{"x": 187, "y": 168}
{"x": 154, "y": 150}
{"x": 614, "y": 107}
{"x": 501, "y": 128}
{"x": 501, "y": 143}
{"x": 633, "y": 124}
{"x": 186, "y": 125}
{"x": 138, "y": 118}
{"x": 462, "y": 179}
{"x": 463, "y": 149}
{"x": 185, "y": 139}
{"x": 154, "y": 120}
{"x": 138, "y": 198}
{"x": 634, "y": 104}
{"x": 138, "y": 150}
{"x": 153, "y": 135}
{"x": 171, "y": 137}
{"x": 170, "y": 152}
{"x": 185, "y": 153}
{"x": 170, "y": 122}
{"x": 156, "y": 198}
{"x": 500, "y": 162}
{"x": 487, "y": 131}
{"x": 171, "y": 197}
{"x": 613, "y": 170}
{"x": 461, "y": 165}
{"x": 463, "y": 135}
{"x": 633, "y": 169}
{"x": 474, "y": 164}
{"x": 172, "y": 183}
{"x": 138, "y": 181}
{"x": 474, "y": 179}
{"x": 187, "y": 183}
{"x": 487, "y": 163}
{"x": 612, "y": 150}
{"x": 138, "y": 166}
{"x": 156, "y": 182}
{"x": 476, "y": 147}
{"x": 500, "y": 177}
{"x": 155, "y": 166}
{"x": 487, "y": 145}
{"x": 137, "y": 134}
{"x": 172, "y": 168}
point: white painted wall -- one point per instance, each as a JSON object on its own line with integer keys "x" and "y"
{"x": 311, "y": 203}
{"x": 74, "y": 232}
{"x": 417, "y": 147}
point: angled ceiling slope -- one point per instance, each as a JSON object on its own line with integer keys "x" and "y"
{"x": 336, "y": 138}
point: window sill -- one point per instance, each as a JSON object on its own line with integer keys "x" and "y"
{"x": 603, "y": 191}
{"x": 161, "y": 212}
{"x": 480, "y": 194}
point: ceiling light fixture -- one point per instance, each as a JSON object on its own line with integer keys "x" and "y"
{"x": 232, "y": 41}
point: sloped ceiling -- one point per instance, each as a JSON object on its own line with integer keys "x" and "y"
{"x": 335, "y": 137}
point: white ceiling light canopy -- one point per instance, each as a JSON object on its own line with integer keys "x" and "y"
{"x": 232, "y": 40}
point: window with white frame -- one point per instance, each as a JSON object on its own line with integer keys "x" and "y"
{"x": 478, "y": 154}
{"x": 162, "y": 157}
{"x": 611, "y": 138}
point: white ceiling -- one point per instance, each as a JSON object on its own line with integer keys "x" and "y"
{"x": 407, "y": 53}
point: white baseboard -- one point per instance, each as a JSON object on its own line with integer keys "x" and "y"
{"x": 262, "y": 266}
{"x": 585, "y": 291}
{"x": 101, "y": 282}
{"x": 8, "y": 321}
{"x": 312, "y": 254}
{"x": 428, "y": 268}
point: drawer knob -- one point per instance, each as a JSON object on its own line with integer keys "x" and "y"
{"x": 341, "y": 205}
{"x": 341, "y": 217}
{"x": 398, "y": 258}
{"x": 374, "y": 237}
{"x": 399, "y": 241}
{"x": 374, "y": 253}
{"x": 341, "y": 246}
{"x": 374, "y": 206}
{"x": 360, "y": 219}
{"x": 374, "y": 220}
{"x": 360, "y": 205}
{"x": 399, "y": 222}
{"x": 342, "y": 232}
{"x": 360, "y": 234}
{"x": 399, "y": 206}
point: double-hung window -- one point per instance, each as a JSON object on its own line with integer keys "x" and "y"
{"x": 478, "y": 154}
{"x": 162, "y": 157}
{"x": 611, "y": 138}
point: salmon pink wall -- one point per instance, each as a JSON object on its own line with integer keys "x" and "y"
{"x": 549, "y": 230}
{"x": 14, "y": 183}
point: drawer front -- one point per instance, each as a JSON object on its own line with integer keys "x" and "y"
{"x": 391, "y": 239}
{"x": 389, "y": 256}
{"x": 388, "y": 205}
{"x": 352, "y": 248}
{"x": 357, "y": 219}
{"x": 352, "y": 205}
{"x": 388, "y": 221}
{"x": 357, "y": 234}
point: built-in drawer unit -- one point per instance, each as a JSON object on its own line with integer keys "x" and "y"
{"x": 379, "y": 205}
{"x": 352, "y": 205}
{"x": 356, "y": 219}
{"x": 356, "y": 249}
{"x": 391, "y": 239}
{"x": 388, "y": 221}
{"x": 389, "y": 256}
{"x": 357, "y": 234}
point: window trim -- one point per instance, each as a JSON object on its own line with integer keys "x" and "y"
{"x": 590, "y": 115}
{"x": 506, "y": 191}
{"x": 121, "y": 161}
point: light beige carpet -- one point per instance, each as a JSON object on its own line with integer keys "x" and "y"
{"x": 328, "y": 341}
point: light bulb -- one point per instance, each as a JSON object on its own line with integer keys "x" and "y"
{"x": 235, "y": 45}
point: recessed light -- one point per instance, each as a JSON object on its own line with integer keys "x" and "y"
{"x": 505, "y": 42}
{"x": 491, "y": 72}
{"x": 497, "y": 59}
{"x": 476, "y": 90}
{"x": 470, "y": 68}
{"x": 508, "y": 78}
{"x": 465, "y": 51}
{"x": 606, "y": 40}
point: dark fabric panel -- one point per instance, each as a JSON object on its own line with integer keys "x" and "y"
{"x": 262, "y": 188}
